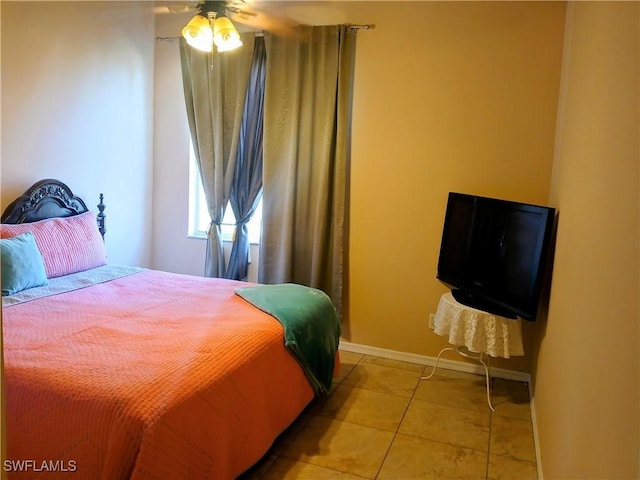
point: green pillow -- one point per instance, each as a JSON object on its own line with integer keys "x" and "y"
{"x": 22, "y": 264}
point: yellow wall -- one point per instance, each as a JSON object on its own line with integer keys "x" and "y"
{"x": 586, "y": 390}
{"x": 449, "y": 96}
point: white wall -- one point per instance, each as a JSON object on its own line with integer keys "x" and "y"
{"x": 172, "y": 250}
{"x": 77, "y": 91}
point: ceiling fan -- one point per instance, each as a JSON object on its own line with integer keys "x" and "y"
{"x": 278, "y": 17}
{"x": 214, "y": 21}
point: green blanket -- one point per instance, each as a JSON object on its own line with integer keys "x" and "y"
{"x": 311, "y": 326}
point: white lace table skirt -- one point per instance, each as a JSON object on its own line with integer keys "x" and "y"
{"x": 479, "y": 331}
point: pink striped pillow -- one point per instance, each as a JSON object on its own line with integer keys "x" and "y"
{"x": 68, "y": 245}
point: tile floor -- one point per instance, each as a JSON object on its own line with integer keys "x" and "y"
{"x": 382, "y": 422}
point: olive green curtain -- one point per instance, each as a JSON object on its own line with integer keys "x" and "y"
{"x": 308, "y": 95}
{"x": 214, "y": 88}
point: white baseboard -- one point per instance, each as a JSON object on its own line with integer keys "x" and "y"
{"x": 536, "y": 439}
{"x": 427, "y": 360}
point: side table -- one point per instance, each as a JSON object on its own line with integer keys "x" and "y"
{"x": 476, "y": 334}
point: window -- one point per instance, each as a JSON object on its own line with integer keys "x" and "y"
{"x": 199, "y": 219}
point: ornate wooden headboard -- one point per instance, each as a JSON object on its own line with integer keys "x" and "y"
{"x": 49, "y": 198}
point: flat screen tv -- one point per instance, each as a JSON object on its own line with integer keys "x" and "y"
{"x": 493, "y": 253}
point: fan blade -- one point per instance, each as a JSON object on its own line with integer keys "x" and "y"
{"x": 181, "y": 6}
{"x": 260, "y": 18}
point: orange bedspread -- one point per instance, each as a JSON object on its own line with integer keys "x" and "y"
{"x": 153, "y": 375}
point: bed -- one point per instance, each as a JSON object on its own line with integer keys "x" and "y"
{"x": 121, "y": 372}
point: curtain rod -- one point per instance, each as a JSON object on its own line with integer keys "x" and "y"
{"x": 366, "y": 26}
{"x": 173, "y": 40}
{"x": 169, "y": 40}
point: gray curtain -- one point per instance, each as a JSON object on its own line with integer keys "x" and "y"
{"x": 214, "y": 90}
{"x": 247, "y": 178}
{"x": 306, "y": 158}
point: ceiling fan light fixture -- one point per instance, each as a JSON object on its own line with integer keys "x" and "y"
{"x": 225, "y": 35}
{"x": 198, "y": 33}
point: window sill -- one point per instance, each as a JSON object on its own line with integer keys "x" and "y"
{"x": 202, "y": 236}
{"x": 225, "y": 239}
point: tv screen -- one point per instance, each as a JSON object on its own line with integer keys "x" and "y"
{"x": 493, "y": 253}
